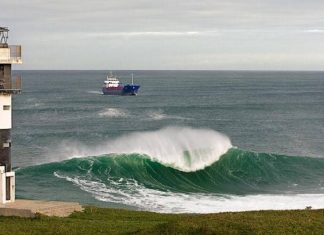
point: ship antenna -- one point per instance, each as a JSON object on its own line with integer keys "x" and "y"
{"x": 132, "y": 79}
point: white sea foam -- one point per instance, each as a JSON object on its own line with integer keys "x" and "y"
{"x": 184, "y": 148}
{"x": 94, "y": 92}
{"x": 113, "y": 113}
{"x": 130, "y": 193}
{"x": 158, "y": 115}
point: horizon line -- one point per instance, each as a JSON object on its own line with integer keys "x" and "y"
{"x": 221, "y": 70}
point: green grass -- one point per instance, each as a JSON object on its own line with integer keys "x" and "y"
{"x": 116, "y": 221}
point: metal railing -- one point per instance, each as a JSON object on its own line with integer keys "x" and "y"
{"x": 3, "y": 34}
{"x": 15, "y": 52}
{"x": 14, "y": 86}
{"x": 13, "y": 56}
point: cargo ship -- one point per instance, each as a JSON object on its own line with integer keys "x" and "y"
{"x": 112, "y": 86}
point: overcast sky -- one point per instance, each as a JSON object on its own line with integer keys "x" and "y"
{"x": 168, "y": 34}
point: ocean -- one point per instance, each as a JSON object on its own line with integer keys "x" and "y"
{"x": 190, "y": 142}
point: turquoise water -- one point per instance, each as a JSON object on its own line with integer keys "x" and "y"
{"x": 191, "y": 141}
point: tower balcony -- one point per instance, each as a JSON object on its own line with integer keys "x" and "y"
{"x": 11, "y": 87}
{"x": 10, "y": 54}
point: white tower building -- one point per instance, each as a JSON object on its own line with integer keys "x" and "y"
{"x": 9, "y": 55}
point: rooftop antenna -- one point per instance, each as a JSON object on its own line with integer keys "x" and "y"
{"x": 4, "y": 35}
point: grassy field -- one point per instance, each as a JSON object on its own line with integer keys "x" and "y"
{"x": 115, "y": 221}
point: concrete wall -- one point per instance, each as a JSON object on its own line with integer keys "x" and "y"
{"x": 10, "y": 54}
{"x": 5, "y": 149}
{"x": 4, "y": 54}
{"x": 5, "y": 111}
{"x": 7, "y": 194}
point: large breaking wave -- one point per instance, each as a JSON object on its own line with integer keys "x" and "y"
{"x": 181, "y": 170}
{"x": 184, "y": 148}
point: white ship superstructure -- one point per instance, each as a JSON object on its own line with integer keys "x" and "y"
{"x": 112, "y": 81}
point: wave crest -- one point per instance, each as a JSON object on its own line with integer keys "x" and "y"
{"x": 183, "y": 148}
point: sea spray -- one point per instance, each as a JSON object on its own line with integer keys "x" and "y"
{"x": 56, "y": 108}
{"x": 239, "y": 180}
{"x": 183, "y": 148}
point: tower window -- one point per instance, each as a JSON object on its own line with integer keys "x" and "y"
{"x": 6, "y": 107}
{"x": 6, "y": 145}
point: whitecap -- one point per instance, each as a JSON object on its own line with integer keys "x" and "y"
{"x": 158, "y": 115}
{"x": 113, "y": 113}
{"x": 183, "y": 148}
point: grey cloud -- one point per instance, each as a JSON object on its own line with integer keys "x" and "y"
{"x": 156, "y": 28}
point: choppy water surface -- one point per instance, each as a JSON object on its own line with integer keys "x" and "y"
{"x": 191, "y": 141}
